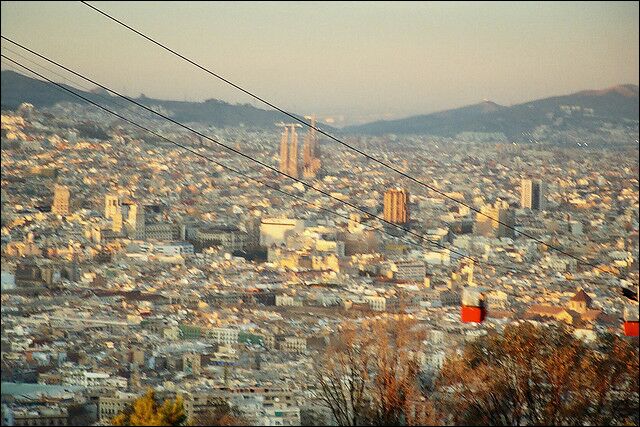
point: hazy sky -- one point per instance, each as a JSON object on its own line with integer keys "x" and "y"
{"x": 361, "y": 60}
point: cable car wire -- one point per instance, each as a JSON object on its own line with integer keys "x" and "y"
{"x": 338, "y": 140}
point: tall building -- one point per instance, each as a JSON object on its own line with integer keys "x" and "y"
{"x": 532, "y": 195}
{"x": 396, "y": 206}
{"x": 111, "y": 205}
{"x": 293, "y": 153}
{"x": 61, "y": 199}
{"x": 133, "y": 216}
{"x": 127, "y": 216}
{"x": 311, "y": 153}
{"x": 113, "y": 211}
{"x": 495, "y": 221}
{"x": 284, "y": 150}
{"x": 289, "y": 151}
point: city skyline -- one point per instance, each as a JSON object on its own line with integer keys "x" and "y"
{"x": 212, "y": 263}
{"x": 433, "y": 57}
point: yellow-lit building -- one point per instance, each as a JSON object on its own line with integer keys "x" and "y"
{"x": 61, "y": 199}
{"x": 396, "y": 206}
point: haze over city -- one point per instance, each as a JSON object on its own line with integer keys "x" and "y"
{"x": 355, "y": 62}
{"x": 319, "y": 213}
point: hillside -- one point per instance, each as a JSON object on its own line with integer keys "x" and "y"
{"x": 589, "y": 111}
{"x": 18, "y": 88}
{"x": 592, "y": 115}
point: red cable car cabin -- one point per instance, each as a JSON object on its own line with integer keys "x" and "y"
{"x": 631, "y": 320}
{"x": 473, "y": 306}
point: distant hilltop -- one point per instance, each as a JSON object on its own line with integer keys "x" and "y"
{"x": 589, "y": 111}
{"x": 18, "y": 88}
{"x": 608, "y": 114}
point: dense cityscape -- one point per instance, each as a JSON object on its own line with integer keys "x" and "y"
{"x": 129, "y": 264}
{"x": 304, "y": 283}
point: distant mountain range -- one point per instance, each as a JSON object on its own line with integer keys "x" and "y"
{"x": 587, "y": 111}
{"x": 604, "y": 114}
{"x": 18, "y": 88}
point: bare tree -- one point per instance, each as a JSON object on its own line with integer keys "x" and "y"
{"x": 221, "y": 414}
{"x": 370, "y": 375}
{"x": 396, "y": 394}
{"x": 343, "y": 377}
{"x": 540, "y": 376}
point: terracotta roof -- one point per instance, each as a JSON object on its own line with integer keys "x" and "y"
{"x": 575, "y": 316}
{"x": 591, "y": 314}
{"x": 547, "y": 310}
{"x": 497, "y": 314}
{"x": 581, "y": 296}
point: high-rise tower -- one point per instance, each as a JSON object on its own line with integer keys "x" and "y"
{"x": 289, "y": 151}
{"x": 61, "y": 198}
{"x": 284, "y": 151}
{"x": 126, "y": 216}
{"x": 134, "y": 218}
{"x": 311, "y": 152}
{"x": 111, "y": 205}
{"x": 495, "y": 220}
{"x": 396, "y": 206}
{"x": 293, "y": 152}
{"x": 532, "y": 195}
